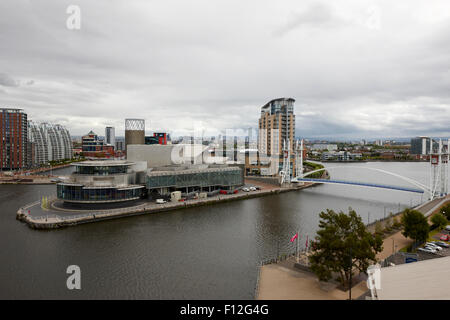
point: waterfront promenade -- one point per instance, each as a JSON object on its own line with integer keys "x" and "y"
{"x": 283, "y": 281}
{"x": 53, "y": 216}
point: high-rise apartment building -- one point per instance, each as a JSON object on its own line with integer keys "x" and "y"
{"x": 276, "y": 127}
{"x": 48, "y": 142}
{"x": 110, "y": 136}
{"x": 13, "y": 139}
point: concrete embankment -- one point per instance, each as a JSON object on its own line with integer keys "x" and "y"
{"x": 53, "y": 217}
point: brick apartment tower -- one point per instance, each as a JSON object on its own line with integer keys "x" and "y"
{"x": 277, "y": 124}
{"x": 13, "y": 139}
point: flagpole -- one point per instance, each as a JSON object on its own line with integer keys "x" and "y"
{"x": 296, "y": 248}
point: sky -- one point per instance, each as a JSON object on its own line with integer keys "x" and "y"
{"x": 357, "y": 69}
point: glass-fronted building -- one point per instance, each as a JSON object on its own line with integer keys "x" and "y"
{"x": 101, "y": 182}
{"x": 188, "y": 180}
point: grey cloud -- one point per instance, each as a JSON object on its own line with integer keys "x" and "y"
{"x": 7, "y": 81}
{"x": 316, "y": 15}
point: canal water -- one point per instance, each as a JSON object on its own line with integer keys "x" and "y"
{"x": 209, "y": 252}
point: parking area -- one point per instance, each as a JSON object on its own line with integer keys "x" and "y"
{"x": 443, "y": 236}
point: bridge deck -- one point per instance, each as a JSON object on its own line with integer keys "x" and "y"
{"x": 356, "y": 183}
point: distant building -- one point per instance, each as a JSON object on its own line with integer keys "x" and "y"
{"x": 134, "y": 132}
{"x": 157, "y": 138}
{"x": 13, "y": 139}
{"x": 120, "y": 144}
{"x": 420, "y": 146}
{"x": 93, "y": 147}
{"x": 323, "y": 146}
{"x": 110, "y": 136}
{"x": 48, "y": 142}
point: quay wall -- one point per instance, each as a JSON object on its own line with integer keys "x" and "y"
{"x": 53, "y": 221}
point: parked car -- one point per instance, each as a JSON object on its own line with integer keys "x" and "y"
{"x": 447, "y": 228}
{"x": 445, "y": 237}
{"x": 160, "y": 201}
{"x": 442, "y": 244}
{"x": 258, "y": 188}
{"x": 429, "y": 246}
{"x": 246, "y": 189}
{"x": 433, "y": 245}
{"x": 252, "y": 189}
{"x": 427, "y": 250}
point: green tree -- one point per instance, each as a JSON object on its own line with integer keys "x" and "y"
{"x": 343, "y": 241}
{"x": 439, "y": 220}
{"x": 445, "y": 210}
{"x": 415, "y": 225}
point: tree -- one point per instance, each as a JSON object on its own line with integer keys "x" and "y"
{"x": 415, "y": 225}
{"x": 395, "y": 223}
{"x": 439, "y": 220}
{"x": 379, "y": 228}
{"x": 445, "y": 210}
{"x": 343, "y": 244}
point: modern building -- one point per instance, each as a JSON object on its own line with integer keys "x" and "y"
{"x": 110, "y": 136}
{"x": 93, "y": 147}
{"x": 277, "y": 127}
{"x": 120, "y": 144}
{"x": 13, "y": 139}
{"x": 48, "y": 142}
{"x": 193, "y": 178}
{"x": 184, "y": 167}
{"x": 420, "y": 146}
{"x": 104, "y": 182}
{"x": 134, "y": 132}
{"x": 157, "y": 138}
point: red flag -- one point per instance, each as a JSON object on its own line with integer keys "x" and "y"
{"x": 294, "y": 237}
{"x": 306, "y": 241}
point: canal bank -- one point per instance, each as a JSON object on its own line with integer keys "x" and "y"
{"x": 54, "y": 215}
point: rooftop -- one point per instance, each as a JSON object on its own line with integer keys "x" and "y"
{"x": 422, "y": 280}
{"x": 104, "y": 163}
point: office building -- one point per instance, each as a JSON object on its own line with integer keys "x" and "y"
{"x": 13, "y": 139}
{"x": 110, "y": 136}
{"x": 420, "y": 146}
{"x": 120, "y": 144}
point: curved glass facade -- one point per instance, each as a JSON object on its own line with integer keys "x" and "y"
{"x": 79, "y": 193}
{"x": 101, "y": 170}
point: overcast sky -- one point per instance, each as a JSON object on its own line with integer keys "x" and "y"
{"x": 356, "y": 69}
